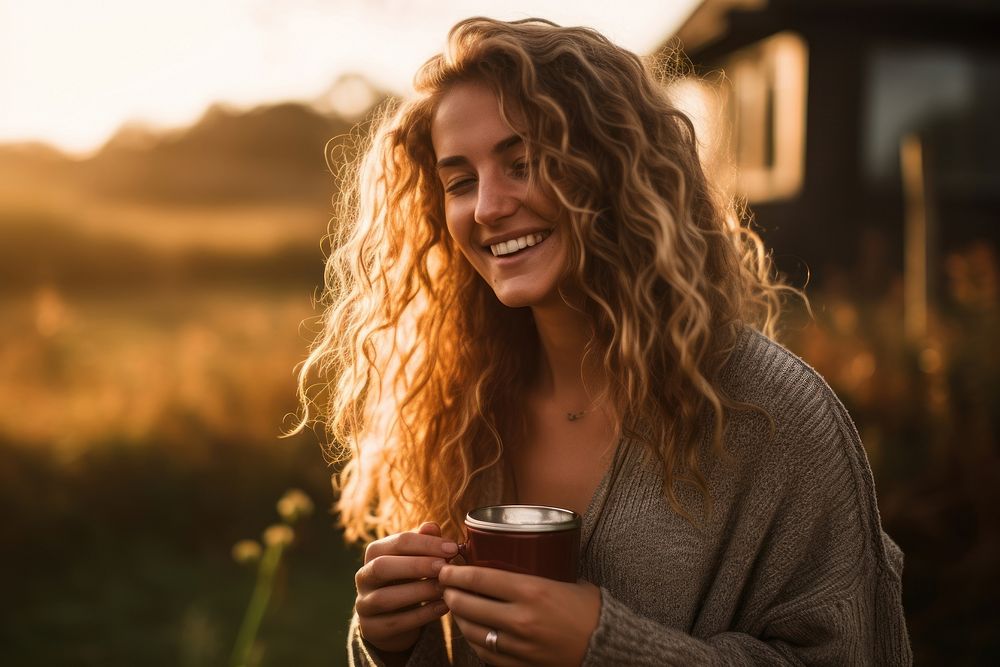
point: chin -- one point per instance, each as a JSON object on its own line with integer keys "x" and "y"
{"x": 525, "y": 298}
{"x": 515, "y": 303}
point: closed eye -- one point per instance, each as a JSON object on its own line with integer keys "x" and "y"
{"x": 459, "y": 184}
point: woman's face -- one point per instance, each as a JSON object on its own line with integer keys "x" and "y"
{"x": 510, "y": 232}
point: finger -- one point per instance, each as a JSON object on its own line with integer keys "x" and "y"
{"x": 387, "y": 626}
{"x": 432, "y": 528}
{"x": 508, "y": 651}
{"x": 492, "y": 582}
{"x": 387, "y": 569}
{"x": 480, "y": 610}
{"x": 429, "y": 528}
{"x": 411, "y": 544}
{"x": 398, "y": 598}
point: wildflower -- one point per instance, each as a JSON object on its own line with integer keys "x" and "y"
{"x": 278, "y": 535}
{"x": 246, "y": 552}
{"x": 294, "y": 505}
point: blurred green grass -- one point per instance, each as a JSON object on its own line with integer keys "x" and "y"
{"x": 128, "y": 562}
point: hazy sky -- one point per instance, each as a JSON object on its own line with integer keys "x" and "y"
{"x": 72, "y": 71}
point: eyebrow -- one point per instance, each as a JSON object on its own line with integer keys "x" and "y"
{"x": 498, "y": 148}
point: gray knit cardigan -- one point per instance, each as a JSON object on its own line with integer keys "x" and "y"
{"x": 790, "y": 566}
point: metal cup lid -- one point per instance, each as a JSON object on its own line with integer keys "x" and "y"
{"x": 522, "y": 519}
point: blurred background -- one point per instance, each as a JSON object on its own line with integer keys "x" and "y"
{"x": 164, "y": 190}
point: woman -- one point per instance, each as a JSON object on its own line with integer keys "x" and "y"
{"x": 535, "y": 297}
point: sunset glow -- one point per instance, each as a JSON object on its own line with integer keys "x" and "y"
{"x": 71, "y": 73}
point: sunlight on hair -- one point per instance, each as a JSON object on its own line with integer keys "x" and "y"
{"x": 426, "y": 369}
{"x": 703, "y": 102}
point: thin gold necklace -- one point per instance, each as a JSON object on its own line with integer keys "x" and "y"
{"x": 576, "y": 416}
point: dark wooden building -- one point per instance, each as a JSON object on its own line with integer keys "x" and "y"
{"x": 858, "y": 125}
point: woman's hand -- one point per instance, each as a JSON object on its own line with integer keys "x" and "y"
{"x": 538, "y": 621}
{"x": 398, "y": 591}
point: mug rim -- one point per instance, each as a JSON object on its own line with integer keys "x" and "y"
{"x": 570, "y": 520}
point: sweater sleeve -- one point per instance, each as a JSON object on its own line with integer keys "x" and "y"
{"x": 822, "y": 635}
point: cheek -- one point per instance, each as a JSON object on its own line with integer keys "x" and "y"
{"x": 452, "y": 232}
{"x": 459, "y": 235}
{"x": 460, "y": 225}
{"x": 544, "y": 204}
{"x": 451, "y": 221}
{"x": 459, "y": 241}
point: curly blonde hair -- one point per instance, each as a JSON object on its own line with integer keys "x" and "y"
{"x": 420, "y": 367}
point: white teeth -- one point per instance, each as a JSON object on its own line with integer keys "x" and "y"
{"x": 513, "y": 245}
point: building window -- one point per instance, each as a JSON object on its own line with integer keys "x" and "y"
{"x": 945, "y": 95}
{"x": 751, "y": 120}
{"x": 766, "y": 104}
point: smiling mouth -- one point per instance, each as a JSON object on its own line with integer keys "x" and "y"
{"x": 505, "y": 248}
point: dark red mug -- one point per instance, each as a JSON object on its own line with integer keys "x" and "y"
{"x": 529, "y": 539}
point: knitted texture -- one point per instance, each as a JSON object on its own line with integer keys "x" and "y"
{"x": 789, "y": 565}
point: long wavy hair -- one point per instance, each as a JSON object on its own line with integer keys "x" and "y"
{"x": 418, "y": 368}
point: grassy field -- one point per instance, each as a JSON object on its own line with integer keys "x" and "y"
{"x": 138, "y": 442}
{"x": 130, "y": 563}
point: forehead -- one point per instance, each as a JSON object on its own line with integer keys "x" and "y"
{"x": 467, "y": 119}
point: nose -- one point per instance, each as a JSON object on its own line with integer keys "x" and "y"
{"x": 497, "y": 199}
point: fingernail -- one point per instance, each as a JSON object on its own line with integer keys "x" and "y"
{"x": 437, "y": 565}
{"x": 449, "y": 548}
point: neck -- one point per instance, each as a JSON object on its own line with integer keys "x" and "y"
{"x": 563, "y": 374}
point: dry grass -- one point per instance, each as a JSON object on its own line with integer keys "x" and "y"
{"x": 78, "y": 369}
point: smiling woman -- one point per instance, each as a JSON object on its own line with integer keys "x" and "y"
{"x": 537, "y": 298}
{"x": 506, "y": 226}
